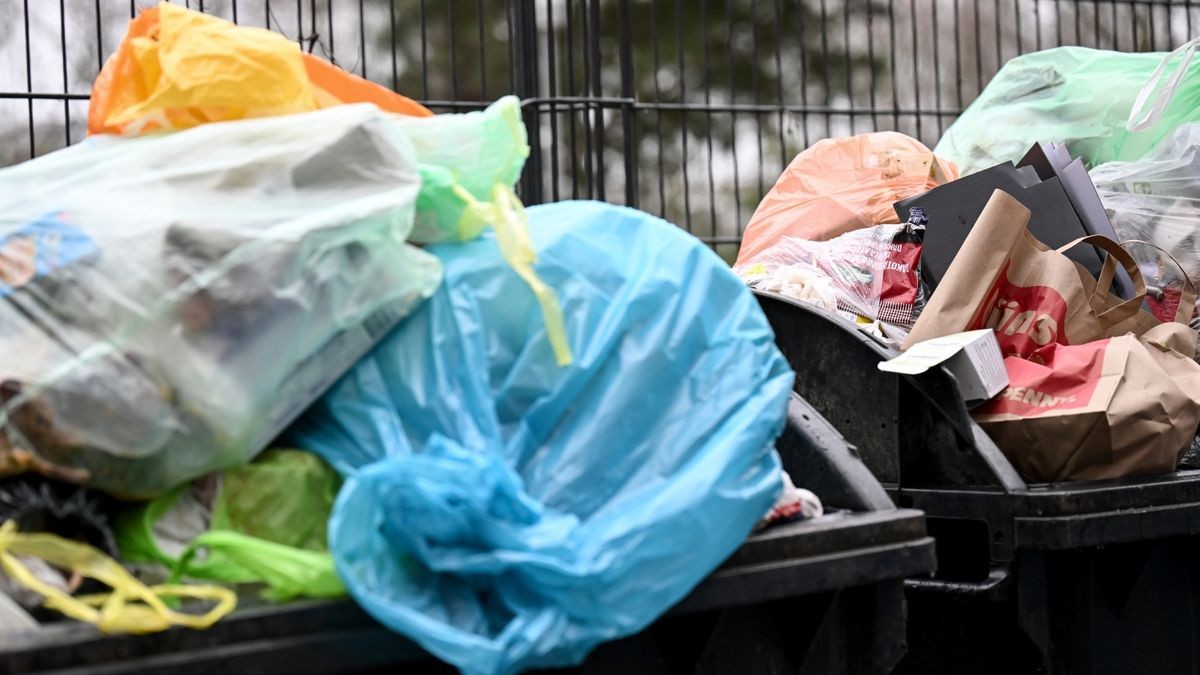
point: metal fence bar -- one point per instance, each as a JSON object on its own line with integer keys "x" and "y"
{"x": 673, "y": 101}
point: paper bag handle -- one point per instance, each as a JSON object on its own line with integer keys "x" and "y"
{"x": 1187, "y": 299}
{"x": 1113, "y": 315}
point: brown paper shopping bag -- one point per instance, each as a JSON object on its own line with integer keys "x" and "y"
{"x": 1087, "y": 399}
{"x": 1004, "y": 278}
{"x": 1104, "y": 409}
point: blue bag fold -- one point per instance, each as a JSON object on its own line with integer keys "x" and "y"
{"x": 507, "y": 513}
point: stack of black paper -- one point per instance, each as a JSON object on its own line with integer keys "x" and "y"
{"x": 1063, "y": 202}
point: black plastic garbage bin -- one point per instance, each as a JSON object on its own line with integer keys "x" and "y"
{"x": 820, "y": 596}
{"x": 1081, "y": 577}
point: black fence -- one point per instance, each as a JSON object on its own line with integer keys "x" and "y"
{"x": 685, "y": 108}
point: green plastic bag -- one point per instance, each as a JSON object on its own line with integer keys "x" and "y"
{"x": 1103, "y": 105}
{"x": 265, "y": 524}
{"x": 476, "y": 152}
{"x": 469, "y": 165}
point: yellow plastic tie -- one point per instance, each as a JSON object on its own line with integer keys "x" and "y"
{"x": 110, "y": 612}
{"x": 507, "y": 216}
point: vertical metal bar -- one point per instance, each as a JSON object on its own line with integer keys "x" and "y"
{"x": 425, "y": 52}
{"x": 1017, "y": 19}
{"x": 825, "y": 65}
{"x": 527, "y": 88}
{"x": 978, "y": 54}
{"x": 299, "y": 22}
{"x": 395, "y": 65}
{"x": 479, "y": 17}
{"x": 708, "y": 123}
{"x": 871, "y": 58}
{"x": 683, "y": 120}
{"x": 958, "y": 76}
{"x": 510, "y": 12}
{"x": 1150, "y": 10}
{"x": 895, "y": 73}
{"x": 656, "y": 59}
{"x": 1133, "y": 21}
{"x": 1037, "y": 21}
{"x": 454, "y": 47}
{"x": 996, "y": 23}
{"x": 800, "y": 31}
{"x": 99, "y": 41}
{"x": 132, "y": 9}
{"x": 778, "y": 81}
{"x": 235, "y": 13}
{"x": 329, "y": 15}
{"x": 733, "y": 133}
{"x": 1116, "y": 33}
{"x": 570, "y": 44}
{"x": 1058, "y": 21}
{"x": 754, "y": 79}
{"x": 1096, "y": 23}
{"x": 849, "y": 64}
{"x": 552, "y": 81}
{"x": 916, "y": 59}
{"x": 935, "y": 37}
{"x": 628, "y": 112}
{"x": 62, "y": 36}
{"x": 362, "y": 37}
{"x": 585, "y": 21}
{"x": 29, "y": 82}
{"x": 1077, "y": 7}
{"x": 598, "y": 92}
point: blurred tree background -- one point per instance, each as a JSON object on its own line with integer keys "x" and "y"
{"x": 690, "y": 108}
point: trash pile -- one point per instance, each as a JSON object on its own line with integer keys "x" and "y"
{"x": 1063, "y": 302}
{"x": 287, "y": 334}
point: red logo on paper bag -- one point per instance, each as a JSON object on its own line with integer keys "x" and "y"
{"x": 1057, "y": 377}
{"x": 1025, "y": 318}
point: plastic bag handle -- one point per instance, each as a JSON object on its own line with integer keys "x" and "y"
{"x": 507, "y": 216}
{"x": 1113, "y": 315}
{"x": 110, "y": 612}
{"x": 1155, "y": 113}
{"x": 1187, "y": 299}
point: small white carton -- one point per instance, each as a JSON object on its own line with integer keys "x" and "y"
{"x": 973, "y": 357}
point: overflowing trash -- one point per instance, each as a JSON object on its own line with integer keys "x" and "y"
{"x": 872, "y": 273}
{"x": 287, "y": 334}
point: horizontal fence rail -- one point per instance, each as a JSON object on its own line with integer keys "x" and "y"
{"x": 685, "y": 108}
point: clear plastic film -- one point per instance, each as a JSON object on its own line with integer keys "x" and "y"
{"x": 1157, "y": 200}
{"x": 177, "y": 299}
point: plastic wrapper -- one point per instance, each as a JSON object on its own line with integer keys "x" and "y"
{"x": 1157, "y": 200}
{"x": 1082, "y": 97}
{"x": 508, "y": 513}
{"x": 262, "y": 523}
{"x": 873, "y": 273}
{"x": 842, "y": 184}
{"x": 177, "y": 299}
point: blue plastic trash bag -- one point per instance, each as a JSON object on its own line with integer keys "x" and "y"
{"x": 508, "y": 513}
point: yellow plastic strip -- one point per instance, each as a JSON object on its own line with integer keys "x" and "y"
{"x": 507, "y": 216}
{"x": 110, "y": 612}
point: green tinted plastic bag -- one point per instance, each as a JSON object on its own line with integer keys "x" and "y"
{"x": 1103, "y": 105}
{"x": 266, "y": 524}
{"x": 469, "y": 165}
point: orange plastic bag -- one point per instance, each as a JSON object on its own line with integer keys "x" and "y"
{"x": 177, "y": 69}
{"x": 843, "y": 184}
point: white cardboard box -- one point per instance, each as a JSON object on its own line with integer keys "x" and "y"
{"x": 973, "y": 357}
